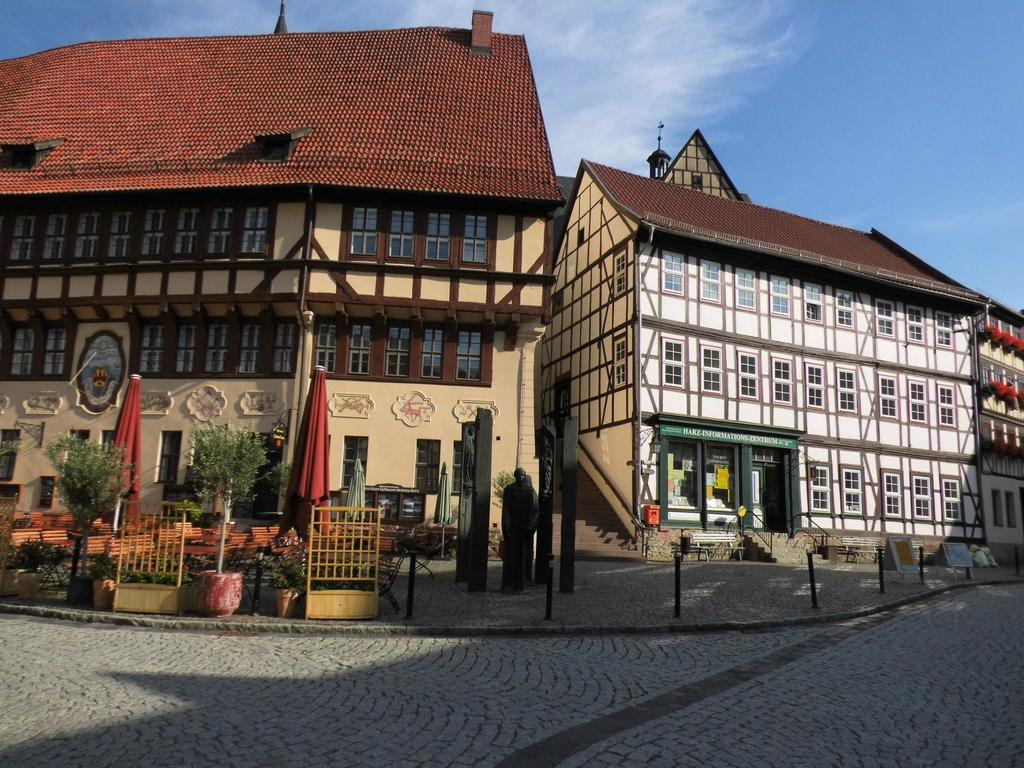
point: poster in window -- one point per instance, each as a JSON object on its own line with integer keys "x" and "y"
{"x": 719, "y": 471}
{"x": 100, "y": 372}
{"x": 682, "y": 476}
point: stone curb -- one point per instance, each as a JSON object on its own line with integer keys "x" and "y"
{"x": 315, "y": 628}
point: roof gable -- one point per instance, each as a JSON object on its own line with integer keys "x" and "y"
{"x": 697, "y": 157}
{"x": 682, "y": 210}
{"x": 407, "y": 109}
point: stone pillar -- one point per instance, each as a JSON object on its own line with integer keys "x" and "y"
{"x": 567, "y": 565}
{"x": 479, "y": 528}
{"x": 467, "y": 481}
{"x": 546, "y": 500}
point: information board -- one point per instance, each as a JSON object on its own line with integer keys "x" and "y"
{"x": 955, "y": 555}
{"x": 900, "y": 554}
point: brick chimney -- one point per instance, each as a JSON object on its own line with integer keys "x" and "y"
{"x": 480, "y": 37}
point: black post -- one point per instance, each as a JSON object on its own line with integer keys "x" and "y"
{"x": 479, "y": 533}
{"x": 254, "y": 609}
{"x": 412, "y": 585}
{"x": 920, "y": 563}
{"x": 75, "y": 555}
{"x": 545, "y": 501}
{"x": 550, "y": 587}
{"x": 881, "y": 571}
{"x": 567, "y": 567}
{"x": 810, "y": 573}
{"x": 969, "y": 574}
{"x": 465, "y": 500}
{"x": 1016, "y": 560}
{"x": 679, "y": 560}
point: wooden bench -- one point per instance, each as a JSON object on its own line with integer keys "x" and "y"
{"x": 853, "y": 547}
{"x": 21, "y": 535}
{"x": 715, "y": 544}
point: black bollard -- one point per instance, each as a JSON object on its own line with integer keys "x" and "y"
{"x": 1016, "y": 560}
{"x": 412, "y": 585}
{"x": 810, "y": 573}
{"x": 969, "y": 574}
{"x": 881, "y": 571}
{"x": 550, "y": 587}
{"x": 254, "y": 610}
{"x": 920, "y": 563}
{"x": 679, "y": 559}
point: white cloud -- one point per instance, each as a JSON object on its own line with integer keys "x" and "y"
{"x": 607, "y": 72}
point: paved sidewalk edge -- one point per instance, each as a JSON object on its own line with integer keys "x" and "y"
{"x": 312, "y": 627}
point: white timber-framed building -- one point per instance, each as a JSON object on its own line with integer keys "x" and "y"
{"x": 721, "y": 355}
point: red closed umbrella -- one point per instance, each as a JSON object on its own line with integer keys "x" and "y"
{"x": 310, "y": 480}
{"x": 128, "y": 434}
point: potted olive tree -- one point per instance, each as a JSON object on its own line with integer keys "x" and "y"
{"x": 91, "y": 479}
{"x": 225, "y": 463}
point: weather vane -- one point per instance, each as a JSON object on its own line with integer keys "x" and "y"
{"x": 660, "y": 126}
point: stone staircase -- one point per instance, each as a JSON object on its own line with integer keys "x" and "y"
{"x": 600, "y": 534}
{"x": 784, "y": 550}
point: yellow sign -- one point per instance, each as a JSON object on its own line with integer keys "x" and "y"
{"x": 722, "y": 479}
{"x": 742, "y": 511}
{"x": 905, "y": 551}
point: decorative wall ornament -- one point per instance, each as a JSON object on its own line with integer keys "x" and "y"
{"x": 5, "y": 403}
{"x": 100, "y": 372}
{"x": 257, "y": 403}
{"x": 42, "y": 404}
{"x": 206, "y": 403}
{"x": 465, "y": 410}
{"x": 156, "y": 403}
{"x": 413, "y": 408}
{"x": 349, "y": 406}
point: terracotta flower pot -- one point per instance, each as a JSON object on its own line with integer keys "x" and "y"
{"x": 103, "y": 594}
{"x": 219, "y": 593}
{"x": 28, "y": 585}
{"x": 287, "y": 599}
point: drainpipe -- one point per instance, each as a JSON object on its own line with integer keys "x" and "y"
{"x": 976, "y": 376}
{"x": 301, "y": 380}
{"x": 637, "y": 378}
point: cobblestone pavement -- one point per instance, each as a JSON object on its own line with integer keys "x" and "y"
{"x": 935, "y": 683}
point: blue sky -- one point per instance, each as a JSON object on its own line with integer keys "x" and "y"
{"x": 904, "y": 116}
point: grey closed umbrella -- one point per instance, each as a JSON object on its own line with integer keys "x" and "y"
{"x": 443, "y": 505}
{"x": 356, "y": 496}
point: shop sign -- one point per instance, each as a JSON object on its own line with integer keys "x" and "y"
{"x": 716, "y": 435}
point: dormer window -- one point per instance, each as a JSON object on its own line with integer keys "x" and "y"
{"x": 279, "y": 147}
{"x": 25, "y": 157}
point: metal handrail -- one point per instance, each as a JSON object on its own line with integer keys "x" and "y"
{"x": 822, "y": 534}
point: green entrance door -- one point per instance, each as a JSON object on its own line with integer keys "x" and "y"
{"x": 769, "y": 495}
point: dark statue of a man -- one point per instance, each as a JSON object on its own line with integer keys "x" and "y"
{"x": 518, "y": 522}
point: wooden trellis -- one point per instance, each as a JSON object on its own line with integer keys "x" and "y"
{"x": 155, "y": 544}
{"x": 342, "y": 562}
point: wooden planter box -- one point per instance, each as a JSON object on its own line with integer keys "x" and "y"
{"x": 149, "y": 598}
{"x": 341, "y": 604}
{"x": 8, "y": 582}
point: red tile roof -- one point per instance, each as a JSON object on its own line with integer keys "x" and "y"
{"x": 406, "y": 109}
{"x": 677, "y": 208}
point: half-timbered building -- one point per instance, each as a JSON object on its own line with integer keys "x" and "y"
{"x": 1001, "y": 403}
{"x": 220, "y": 215}
{"x": 724, "y": 357}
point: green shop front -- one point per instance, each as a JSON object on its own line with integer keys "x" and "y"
{"x": 710, "y": 473}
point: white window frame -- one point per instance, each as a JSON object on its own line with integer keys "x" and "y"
{"x": 747, "y": 371}
{"x": 222, "y": 222}
{"x": 851, "y": 493}
{"x": 186, "y": 233}
{"x": 22, "y": 351}
{"x": 922, "y": 493}
{"x": 846, "y": 390}
{"x": 673, "y": 269}
{"x": 255, "y": 224}
{"x": 120, "y": 238}
{"x": 844, "y": 309}
{"x": 363, "y": 233}
{"x": 401, "y": 235}
{"x": 746, "y": 289}
{"x": 438, "y": 240}
{"x": 782, "y": 384}
{"x": 885, "y": 320}
{"x": 814, "y": 385}
{"x": 673, "y": 368}
{"x": 620, "y": 352}
{"x": 944, "y": 330}
{"x": 23, "y": 236}
{"x": 711, "y": 282}
{"x": 945, "y": 397}
{"x": 621, "y": 276}
{"x": 56, "y": 237}
{"x": 892, "y": 494}
{"x": 814, "y": 299}
{"x": 711, "y": 373}
{"x": 88, "y": 235}
{"x": 952, "y": 499}
{"x": 915, "y": 325}
{"x": 888, "y": 401}
{"x": 781, "y": 303}
{"x": 153, "y": 221}
{"x": 917, "y": 402}
{"x": 821, "y": 489}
